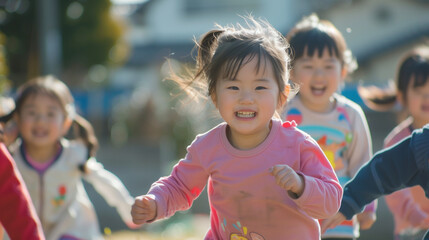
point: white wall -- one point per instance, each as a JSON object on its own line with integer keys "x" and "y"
{"x": 167, "y": 20}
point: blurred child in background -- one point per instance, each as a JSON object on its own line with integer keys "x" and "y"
{"x": 266, "y": 179}
{"x": 53, "y": 166}
{"x": 410, "y": 207}
{"x": 320, "y": 64}
{"x": 17, "y": 213}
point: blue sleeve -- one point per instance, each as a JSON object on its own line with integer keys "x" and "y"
{"x": 389, "y": 170}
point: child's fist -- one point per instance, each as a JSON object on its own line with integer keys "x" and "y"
{"x": 288, "y": 179}
{"x": 143, "y": 209}
{"x": 332, "y": 222}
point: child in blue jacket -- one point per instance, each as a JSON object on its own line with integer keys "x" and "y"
{"x": 403, "y": 165}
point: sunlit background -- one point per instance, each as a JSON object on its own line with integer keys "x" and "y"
{"x": 112, "y": 54}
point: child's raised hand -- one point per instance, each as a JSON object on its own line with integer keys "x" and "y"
{"x": 288, "y": 179}
{"x": 143, "y": 209}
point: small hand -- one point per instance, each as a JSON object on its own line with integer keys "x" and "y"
{"x": 332, "y": 221}
{"x": 366, "y": 220}
{"x": 143, "y": 209}
{"x": 288, "y": 179}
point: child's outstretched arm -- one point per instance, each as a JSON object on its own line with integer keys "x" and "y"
{"x": 111, "y": 188}
{"x": 143, "y": 209}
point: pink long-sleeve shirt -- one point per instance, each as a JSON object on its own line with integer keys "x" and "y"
{"x": 245, "y": 200}
{"x": 409, "y": 206}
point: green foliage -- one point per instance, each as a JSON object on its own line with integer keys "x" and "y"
{"x": 3, "y": 65}
{"x": 89, "y": 39}
{"x": 19, "y": 28}
{"x": 89, "y": 32}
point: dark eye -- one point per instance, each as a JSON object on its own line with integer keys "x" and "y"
{"x": 31, "y": 113}
{"x": 51, "y": 114}
{"x": 260, "y": 88}
{"x": 233, "y": 88}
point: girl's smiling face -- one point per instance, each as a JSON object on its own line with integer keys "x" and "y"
{"x": 248, "y": 102}
{"x": 417, "y": 103}
{"x": 319, "y": 78}
{"x": 41, "y": 121}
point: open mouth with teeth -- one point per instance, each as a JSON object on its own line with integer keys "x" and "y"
{"x": 318, "y": 90}
{"x": 39, "y": 133}
{"x": 245, "y": 114}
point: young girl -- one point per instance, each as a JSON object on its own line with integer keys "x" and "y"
{"x": 410, "y": 207}
{"x": 52, "y": 166}
{"x": 320, "y": 65}
{"x": 266, "y": 179}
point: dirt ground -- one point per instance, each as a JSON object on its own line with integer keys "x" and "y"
{"x": 185, "y": 227}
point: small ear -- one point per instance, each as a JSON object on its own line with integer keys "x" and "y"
{"x": 344, "y": 72}
{"x": 214, "y": 99}
{"x": 66, "y": 125}
{"x": 287, "y": 90}
{"x": 400, "y": 98}
{"x": 284, "y": 95}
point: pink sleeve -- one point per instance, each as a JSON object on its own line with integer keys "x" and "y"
{"x": 372, "y": 207}
{"x": 402, "y": 205}
{"x": 17, "y": 213}
{"x": 322, "y": 194}
{"x": 177, "y": 191}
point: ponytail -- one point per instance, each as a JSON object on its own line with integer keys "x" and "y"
{"x": 206, "y": 47}
{"x": 378, "y": 99}
{"x": 195, "y": 80}
{"x": 84, "y": 131}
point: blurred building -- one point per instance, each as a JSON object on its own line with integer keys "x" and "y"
{"x": 377, "y": 31}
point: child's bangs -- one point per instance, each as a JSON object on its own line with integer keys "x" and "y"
{"x": 233, "y": 65}
{"x": 421, "y": 75}
{"x": 314, "y": 41}
{"x": 34, "y": 91}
